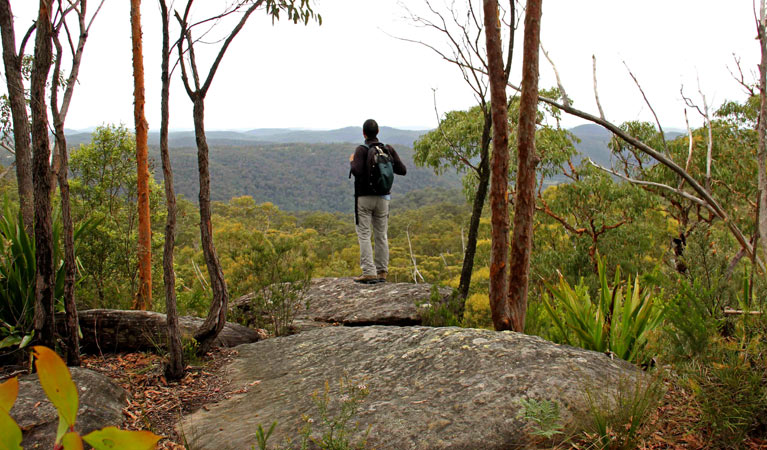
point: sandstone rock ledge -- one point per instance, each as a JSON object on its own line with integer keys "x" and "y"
{"x": 430, "y": 388}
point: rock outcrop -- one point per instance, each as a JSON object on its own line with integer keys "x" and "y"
{"x": 344, "y": 302}
{"x": 101, "y": 404}
{"x": 112, "y": 330}
{"x": 430, "y": 388}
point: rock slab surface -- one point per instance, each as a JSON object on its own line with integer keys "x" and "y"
{"x": 101, "y": 405}
{"x": 430, "y": 388}
{"x": 344, "y": 302}
{"x": 113, "y": 330}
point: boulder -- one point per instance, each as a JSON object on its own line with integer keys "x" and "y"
{"x": 429, "y": 388}
{"x": 101, "y": 405}
{"x": 112, "y": 330}
{"x": 344, "y": 302}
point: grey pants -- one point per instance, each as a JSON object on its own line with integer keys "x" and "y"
{"x": 373, "y": 216}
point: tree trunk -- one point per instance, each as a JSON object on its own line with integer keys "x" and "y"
{"x": 71, "y": 336}
{"x": 144, "y": 296}
{"x": 19, "y": 115}
{"x": 762, "y": 125}
{"x": 175, "y": 368}
{"x": 44, "y": 282}
{"x": 500, "y": 169}
{"x": 524, "y": 207}
{"x": 218, "y": 307}
{"x": 476, "y": 213}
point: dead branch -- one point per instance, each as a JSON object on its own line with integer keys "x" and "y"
{"x": 689, "y": 148}
{"x": 740, "y": 78}
{"x": 596, "y": 92}
{"x": 653, "y": 184}
{"x": 416, "y": 272}
{"x": 561, "y": 87}
{"x": 647, "y": 102}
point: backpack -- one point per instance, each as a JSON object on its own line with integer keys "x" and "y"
{"x": 381, "y": 169}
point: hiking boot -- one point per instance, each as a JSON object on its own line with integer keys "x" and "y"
{"x": 382, "y": 277}
{"x": 366, "y": 279}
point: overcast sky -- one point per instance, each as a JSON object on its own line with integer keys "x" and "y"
{"x": 351, "y": 68}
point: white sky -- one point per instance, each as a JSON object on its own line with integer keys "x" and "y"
{"x": 350, "y": 69}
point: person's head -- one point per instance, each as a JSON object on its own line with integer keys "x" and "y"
{"x": 370, "y": 129}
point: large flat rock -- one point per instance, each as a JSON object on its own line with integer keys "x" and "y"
{"x": 430, "y": 388}
{"x": 341, "y": 300}
{"x": 344, "y": 302}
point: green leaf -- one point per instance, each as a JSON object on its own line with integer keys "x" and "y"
{"x": 72, "y": 441}
{"x": 10, "y": 433}
{"x": 57, "y": 383}
{"x": 10, "y": 341}
{"x": 27, "y": 339}
{"x": 8, "y": 393}
{"x": 111, "y": 438}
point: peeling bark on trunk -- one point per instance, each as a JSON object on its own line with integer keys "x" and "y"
{"x": 476, "y": 214}
{"x": 18, "y": 104}
{"x": 175, "y": 367}
{"x": 144, "y": 295}
{"x": 762, "y": 125}
{"x": 524, "y": 207}
{"x": 44, "y": 282}
{"x": 500, "y": 169}
{"x": 218, "y": 307}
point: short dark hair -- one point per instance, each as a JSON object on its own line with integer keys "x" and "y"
{"x": 370, "y": 128}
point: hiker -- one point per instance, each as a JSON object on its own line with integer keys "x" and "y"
{"x": 373, "y": 165}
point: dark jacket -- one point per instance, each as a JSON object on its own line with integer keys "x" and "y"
{"x": 362, "y": 164}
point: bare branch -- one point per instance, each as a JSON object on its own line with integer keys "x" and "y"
{"x": 690, "y": 146}
{"x": 647, "y": 102}
{"x": 565, "y": 98}
{"x": 596, "y": 92}
{"x": 740, "y": 78}
{"x": 654, "y": 184}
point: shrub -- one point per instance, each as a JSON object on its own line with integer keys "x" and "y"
{"x": 17, "y": 275}
{"x": 619, "y": 320}
{"x": 617, "y": 417}
{"x": 277, "y": 271}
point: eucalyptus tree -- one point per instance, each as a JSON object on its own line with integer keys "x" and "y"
{"x": 143, "y": 298}
{"x": 197, "y": 88}
{"x": 175, "y": 367}
{"x": 59, "y": 114}
{"x": 41, "y": 172}
{"x": 13, "y": 60}
{"x": 461, "y": 140}
{"x": 524, "y": 206}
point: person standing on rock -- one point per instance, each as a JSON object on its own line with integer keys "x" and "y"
{"x": 373, "y": 165}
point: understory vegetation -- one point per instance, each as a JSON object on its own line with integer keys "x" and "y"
{"x": 616, "y": 268}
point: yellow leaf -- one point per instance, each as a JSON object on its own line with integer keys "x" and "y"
{"x": 111, "y": 438}
{"x": 8, "y": 393}
{"x": 72, "y": 441}
{"x": 10, "y": 433}
{"x": 57, "y": 383}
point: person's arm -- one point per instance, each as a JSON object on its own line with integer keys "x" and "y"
{"x": 397, "y": 165}
{"x": 358, "y": 160}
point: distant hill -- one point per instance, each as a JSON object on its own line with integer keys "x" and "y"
{"x": 308, "y": 169}
{"x": 393, "y": 136}
{"x": 293, "y": 176}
